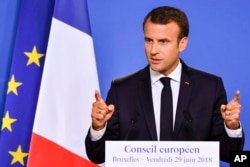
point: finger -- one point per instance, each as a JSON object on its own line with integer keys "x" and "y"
{"x": 236, "y": 96}
{"x": 111, "y": 108}
{"x": 223, "y": 108}
{"x": 227, "y": 113}
{"x": 99, "y": 115}
{"x": 102, "y": 111}
{"x": 98, "y": 96}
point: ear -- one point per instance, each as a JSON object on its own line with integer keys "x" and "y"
{"x": 183, "y": 44}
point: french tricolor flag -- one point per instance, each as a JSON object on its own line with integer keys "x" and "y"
{"x": 67, "y": 90}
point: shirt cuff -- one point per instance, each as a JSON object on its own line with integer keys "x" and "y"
{"x": 97, "y": 134}
{"x": 237, "y": 133}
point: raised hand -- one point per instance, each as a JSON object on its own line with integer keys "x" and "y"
{"x": 101, "y": 112}
{"x": 231, "y": 112}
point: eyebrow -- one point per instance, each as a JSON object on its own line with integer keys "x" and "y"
{"x": 163, "y": 39}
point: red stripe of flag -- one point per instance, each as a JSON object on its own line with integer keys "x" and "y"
{"x": 67, "y": 158}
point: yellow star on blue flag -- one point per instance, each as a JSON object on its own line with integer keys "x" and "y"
{"x": 7, "y": 122}
{"x": 34, "y": 56}
{"x": 18, "y": 156}
{"x": 13, "y": 85}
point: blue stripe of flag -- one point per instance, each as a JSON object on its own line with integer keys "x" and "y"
{"x": 76, "y": 14}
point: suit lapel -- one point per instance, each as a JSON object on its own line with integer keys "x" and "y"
{"x": 186, "y": 86}
{"x": 146, "y": 102}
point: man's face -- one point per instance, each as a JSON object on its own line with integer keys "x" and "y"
{"x": 162, "y": 47}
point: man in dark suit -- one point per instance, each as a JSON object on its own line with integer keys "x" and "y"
{"x": 199, "y": 112}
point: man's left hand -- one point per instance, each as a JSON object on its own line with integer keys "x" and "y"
{"x": 231, "y": 112}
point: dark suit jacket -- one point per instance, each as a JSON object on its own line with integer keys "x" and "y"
{"x": 198, "y": 116}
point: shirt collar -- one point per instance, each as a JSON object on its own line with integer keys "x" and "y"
{"x": 175, "y": 75}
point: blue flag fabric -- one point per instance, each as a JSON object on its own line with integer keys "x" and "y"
{"x": 24, "y": 81}
{"x": 8, "y": 21}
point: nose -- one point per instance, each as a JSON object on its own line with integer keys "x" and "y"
{"x": 154, "y": 48}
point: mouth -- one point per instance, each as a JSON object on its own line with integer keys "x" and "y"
{"x": 155, "y": 60}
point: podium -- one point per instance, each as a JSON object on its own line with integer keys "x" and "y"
{"x": 162, "y": 154}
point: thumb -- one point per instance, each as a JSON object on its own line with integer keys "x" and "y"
{"x": 223, "y": 107}
{"x": 111, "y": 108}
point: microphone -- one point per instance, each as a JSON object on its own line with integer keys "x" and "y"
{"x": 189, "y": 128}
{"x": 132, "y": 122}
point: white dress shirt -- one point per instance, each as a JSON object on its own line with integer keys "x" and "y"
{"x": 157, "y": 87}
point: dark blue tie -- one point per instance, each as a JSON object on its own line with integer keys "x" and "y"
{"x": 166, "y": 118}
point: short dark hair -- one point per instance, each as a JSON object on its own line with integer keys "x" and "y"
{"x": 167, "y": 14}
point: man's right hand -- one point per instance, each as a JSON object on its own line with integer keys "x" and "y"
{"x": 101, "y": 112}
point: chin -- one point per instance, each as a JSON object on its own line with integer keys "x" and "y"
{"x": 155, "y": 68}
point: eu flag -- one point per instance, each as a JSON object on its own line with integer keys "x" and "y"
{"x": 24, "y": 80}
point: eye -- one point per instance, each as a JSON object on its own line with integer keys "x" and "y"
{"x": 148, "y": 40}
{"x": 163, "y": 42}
